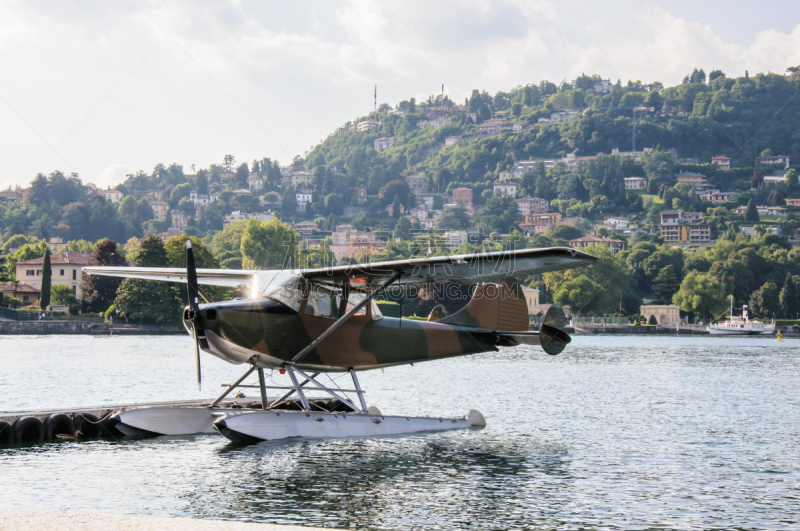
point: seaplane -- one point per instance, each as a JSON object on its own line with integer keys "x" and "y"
{"x": 306, "y": 324}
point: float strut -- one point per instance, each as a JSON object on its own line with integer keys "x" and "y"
{"x": 358, "y": 388}
{"x": 262, "y": 386}
{"x": 232, "y": 386}
{"x": 299, "y": 390}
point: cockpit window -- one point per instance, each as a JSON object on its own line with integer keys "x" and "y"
{"x": 322, "y": 302}
{"x": 289, "y": 291}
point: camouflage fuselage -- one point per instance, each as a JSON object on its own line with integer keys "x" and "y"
{"x": 268, "y": 334}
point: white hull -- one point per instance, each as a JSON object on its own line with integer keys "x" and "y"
{"x": 252, "y": 426}
{"x": 747, "y": 330}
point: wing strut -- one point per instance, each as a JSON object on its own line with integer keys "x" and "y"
{"x": 339, "y": 322}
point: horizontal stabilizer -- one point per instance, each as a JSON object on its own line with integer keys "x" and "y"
{"x": 551, "y": 336}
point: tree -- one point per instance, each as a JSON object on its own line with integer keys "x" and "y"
{"x": 714, "y": 74}
{"x": 791, "y": 178}
{"x": 751, "y": 213}
{"x": 454, "y": 218}
{"x": 658, "y": 165}
{"x": 149, "y": 300}
{"x": 402, "y": 229}
{"x": 47, "y": 274}
{"x": 765, "y": 301}
{"x": 582, "y": 294}
{"x": 268, "y": 245}
{"x": 652, "y": 321}
{"x": 790, "y": 297}
{"x": 701, "y": 293}
{"x": 666, "y": 283}
{"x": 99, "y": 292}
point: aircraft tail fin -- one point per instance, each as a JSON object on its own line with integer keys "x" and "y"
{"x": 495, "y": 306}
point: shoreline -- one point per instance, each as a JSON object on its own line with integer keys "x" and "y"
{"x": 39, "y": 328}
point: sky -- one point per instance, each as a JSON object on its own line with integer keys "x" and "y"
{"x": 106, "y": 88}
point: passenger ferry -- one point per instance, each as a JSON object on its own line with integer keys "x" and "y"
{"x": 741, "y": 325}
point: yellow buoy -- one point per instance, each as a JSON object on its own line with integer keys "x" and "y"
{"x": 779, "y": 336}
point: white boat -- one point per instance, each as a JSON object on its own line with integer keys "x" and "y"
{"x": 741, "y": 325}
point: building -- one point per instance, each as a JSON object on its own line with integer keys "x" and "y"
{"x": 434, "y": 123}
{"x": 297, "y": 178}
{"x": 752, "y": 230}
{"x": 763, "y": 210}
{"x": 307, "y": 228}
{"x": 366, "y": 125}
{"x": 616, "y": 222}
{"x": 454, "y": 239}
{"x": 255, "y": 182}
{"x": 452, "y": 140}
{"x": 722, "y": 162}
{"x": 389, "y": 209}
{"x": 684, "y": 228}
{"x": 666, "y": 315}
{"x": 774, "y": 179}
{"x": 506, "y": 189}
{"x": 179, "y": 220}
{"x": 530, "y": 205}
{"x": 417, "y": 183}
{"x": 152, "y": 195}
{"x": 716, "y": 197}
{"x": 537, "y": 223}
{"x": 772, "y": 160}
{"x": 237, "y": 215}
{"x": 603, "y": 87}
{"x": 201, "y": 199}
{"x": 419, "y": 212}
{"x": 115, "y": 196}
{"x": 635, "y": 183}
{"x": 793, "y": 202}
{"x": 66, "y": 270}
{"x": 160, "y": 209}
{"x": 361, "y": 196}
{"x": 531, "y": 299}
{"x": 346, "y": 242}
{"x": 170, "y": 233}
{"x": 491, "y": 127}
{"x": 304, "y": 196}
{"x": 563, "y": 115}
{"x": 24, "y": 293}
{"x": 12, "y": 195}
{"x": 585, "y": 241}
{"x": 383, "y": 143}
{"x": 462, "y": 194}
{"x": 794, "y": 241}
{"x": 688, "y": 177}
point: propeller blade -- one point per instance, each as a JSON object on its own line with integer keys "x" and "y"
{"x": 197, "y": 361}
{"x": 194, "y": 306}
{"x": 191, "y": 278}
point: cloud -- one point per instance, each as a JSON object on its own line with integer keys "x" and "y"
{"x": 271, "y": 79}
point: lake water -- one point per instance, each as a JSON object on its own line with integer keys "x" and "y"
{"x": 615, "y": 433}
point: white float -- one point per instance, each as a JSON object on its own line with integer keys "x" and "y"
{"x": 251, "y": 426}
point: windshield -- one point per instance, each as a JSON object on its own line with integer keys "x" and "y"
{"x": 289, "y": 291}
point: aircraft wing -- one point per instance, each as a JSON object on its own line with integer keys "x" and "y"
{"x": 466, "y": 268}
{"x": 231, "y": 278}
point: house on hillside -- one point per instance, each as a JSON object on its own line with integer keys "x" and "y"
{"x": 452, "y": 140}
{"x": 462, "y": 194}
{"x": 585, "y": 241}
{"x": 722, "y": 162}
{"x": 22, "y": 292}
{"x": 506, "y": 189}
{"x": 303, "y": 197}
{"x": 66, "y": 270}
{"x": 417, "y": 183}
{"x": 255, "y": 182}
{"x": 383, "y": 143}
{"x": 688, "y": 177}
{"x": 772, "y": 160}
{"x": 530, "y": 205}
{"x": 115, "y": 196}
{"x": 635, "y": 183}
